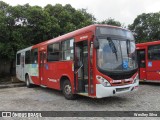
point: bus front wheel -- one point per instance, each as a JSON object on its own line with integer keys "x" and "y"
{"x": 67, "y": 90}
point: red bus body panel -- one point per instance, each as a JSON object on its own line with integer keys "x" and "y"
{"x": 152, "y": 70}
{"x": 57, "y": 70}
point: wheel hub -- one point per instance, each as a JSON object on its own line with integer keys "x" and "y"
{"x": 68, "y": 89}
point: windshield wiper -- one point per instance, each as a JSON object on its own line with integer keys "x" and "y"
{"x": 128, "y": 47}
{"x": 112, "y": 46}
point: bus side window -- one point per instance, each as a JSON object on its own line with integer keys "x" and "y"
{"x": 22, "y": 60}
{"x": 18, "y": 58}
{"x": 67, "y": 49}
{"x": 28, "y": 57}
{"x": 34, "y": 56}
{"x": 53, "y": 52}
{"x": 141, "y": 59}
{"x": 153, "y": 52}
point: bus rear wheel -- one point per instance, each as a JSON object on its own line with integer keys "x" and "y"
{"x": 67, "y": 90}
{"x": 28, "y": 84}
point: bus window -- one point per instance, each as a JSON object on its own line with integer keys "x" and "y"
{"x": 18, "y": 58}
{"x": 141, "y": 58}
{"x": 67, "y": 50}
{"x": 153, "y": 52}
{"x": 35, "y": 56}
{"x": 27, "y": 57}
{"x": 54, "y": 52}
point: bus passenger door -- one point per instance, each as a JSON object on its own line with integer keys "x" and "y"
{"x": 141, "y": 55}
{"x": 42, "y": 68}
{"x": 81, "y": 66}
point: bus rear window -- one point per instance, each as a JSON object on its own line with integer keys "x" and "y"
{"x": 18, "y": 58}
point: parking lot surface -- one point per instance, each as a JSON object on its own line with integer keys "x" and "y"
{"x": 147, "y": 98}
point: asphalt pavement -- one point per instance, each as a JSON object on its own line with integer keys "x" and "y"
{"x": 147, "y": 98}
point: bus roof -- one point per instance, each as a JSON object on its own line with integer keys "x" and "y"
{"x": 26, "y": 49}
{"x": 75, "y": 33}
{"x": 148, "y": 43}
{"x": 90, "y": 28}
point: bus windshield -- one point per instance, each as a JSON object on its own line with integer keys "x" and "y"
{"x": 116, "y": 57}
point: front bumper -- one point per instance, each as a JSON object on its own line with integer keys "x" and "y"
{"x": 102, "y": 91}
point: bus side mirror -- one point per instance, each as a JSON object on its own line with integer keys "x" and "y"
{"x": 96, "y": 44}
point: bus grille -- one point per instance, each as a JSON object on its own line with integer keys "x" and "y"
{"x": 122, "y": 89}
{"x": 120, "y": 77}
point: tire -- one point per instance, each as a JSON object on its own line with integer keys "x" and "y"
{"x": 28, "y": 84}
{"x": 67, "y": 90}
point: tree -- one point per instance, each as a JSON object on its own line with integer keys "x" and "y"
{"x": 4, "y": 35}
{"x": 23, "y": 26}
{"x": 11, "y": 35}
{"x": 68, "y": 18}
{"x": 111, "y": 21}
{"x": 3, "y": 6}
{"x": 146, "y": 27}
{"x": 39, "y": 24}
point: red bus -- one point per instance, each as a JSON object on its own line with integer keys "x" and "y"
{"x": 96, "y": 61}
{"x": 149, "y": 61}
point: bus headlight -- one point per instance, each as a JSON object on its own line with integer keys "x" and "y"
{"x": 103, "y": 81}
{"x": 136, "y": 79}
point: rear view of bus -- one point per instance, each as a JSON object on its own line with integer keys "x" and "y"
{"x": 116, "y": 67}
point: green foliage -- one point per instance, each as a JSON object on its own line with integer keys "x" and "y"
{"x": 111, "y": 21}
{"x": 11, "y": 37}
{"x": 68, "y": 18}
{"x": 146, "y": 27}
{"x": 23, "y": 26}
{"x": 3, "y": 6}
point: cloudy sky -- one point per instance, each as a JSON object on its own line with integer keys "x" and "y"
{"x": 124, "y": 11}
